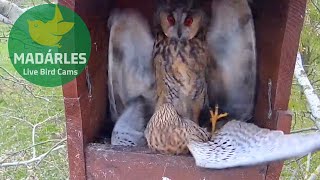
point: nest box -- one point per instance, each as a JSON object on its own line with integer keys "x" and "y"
{"x": 277, "y": 24}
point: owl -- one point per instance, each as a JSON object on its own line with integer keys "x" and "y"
{"x": 180, "y": 57}
{"x": 192, "y": 61}
{"x": 131, "y": 77}
{"x": 158, "y": 86}
{"x": 231, "y": 75}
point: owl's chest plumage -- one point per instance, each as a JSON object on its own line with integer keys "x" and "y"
{"x": 180, "y": 74}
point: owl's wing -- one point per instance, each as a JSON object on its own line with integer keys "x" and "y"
{"x": 231, "y": 75}
{"x": 243, "y": 144}
{"x": 130, "y": 69}
{"x": 131, "y": 77}
{"x": 129, "y": 128}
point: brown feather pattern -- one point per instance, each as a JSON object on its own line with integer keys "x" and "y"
{"x": 180, "y": 74}
{"x": 168, "y": 133}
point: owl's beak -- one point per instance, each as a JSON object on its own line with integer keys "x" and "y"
{"x": 179, "y": 32}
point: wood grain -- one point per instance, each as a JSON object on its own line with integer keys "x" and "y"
{"x": 105, "y": 162}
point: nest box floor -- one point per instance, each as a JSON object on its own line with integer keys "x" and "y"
{"x": 104, "y": 161}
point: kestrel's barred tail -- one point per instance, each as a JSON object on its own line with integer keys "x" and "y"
{"x": 168, "y": 133}
{"x": 235, "y": 144}
{"x": 244, "y": 144}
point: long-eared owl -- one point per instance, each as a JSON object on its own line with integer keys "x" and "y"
{"x": 180, "y": 57}
{"x": 195, "y": 59}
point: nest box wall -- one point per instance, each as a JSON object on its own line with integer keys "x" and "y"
{"x": 278, "y": 25}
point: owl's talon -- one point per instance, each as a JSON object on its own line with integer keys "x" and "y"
{"x": 215, "y": 117}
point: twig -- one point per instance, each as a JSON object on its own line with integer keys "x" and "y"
{"x": 33, "y": 160}
{"x": 34, "y": 128}
{"x": 5, "y": 20}
{"x": 10, "y": 10}
{"x": 315, "y": 5}
{"x": 47, "y": 1}
{"x": 52, "y": 149}
{"x": 29, "y": 147}
{"x": 309, "y": 158}
{"x": 19, "y": 119}
{"x": 18, "y": 81}
{"x": 294, "y": 174}
{"x": 315, "y": 174}
{"x": 304, "y": 130}
{"x": 312, "y": 98}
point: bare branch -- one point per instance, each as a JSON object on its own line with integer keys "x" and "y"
{"x": 52, "y": 149}
{"x": 311, "y": 96}
{"x": 10, "y": 10}
{"x": 315, "y": 174}
{"x": 304, "y": 130}
{"x": 33, "y": 160}
{"x": 315, "y": 5}
{"x": 21, "y": 82}
{"x": 47, "y": 1}
{"x": 27, "y": 148}
{"x": 309, "y": 158}
{"x": 5, "y": 20}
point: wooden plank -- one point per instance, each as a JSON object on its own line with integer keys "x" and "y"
{"x": 75, "y": 139}
{"x": 104, "y": 162}
{"x": 86, "y": 96}
{"x": 283, "y": 119}
{"x": 278, "y": 26}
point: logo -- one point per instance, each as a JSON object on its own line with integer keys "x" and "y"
{"x": 49, "y": 45}
{"x": 49, "y": 33}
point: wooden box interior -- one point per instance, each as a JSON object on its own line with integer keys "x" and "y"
{"x": 278, "y": 25}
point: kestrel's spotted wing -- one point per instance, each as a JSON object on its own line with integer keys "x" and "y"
{"x": 244, "y": 144}
{"x": 131, "y": 76}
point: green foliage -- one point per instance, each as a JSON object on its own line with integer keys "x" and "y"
{"x": 21, "y": 105}
{"x": 310, "y": 51}
{"x": 310, "y": 40}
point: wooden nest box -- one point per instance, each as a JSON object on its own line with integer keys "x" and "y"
{"x": 278, "y": 25}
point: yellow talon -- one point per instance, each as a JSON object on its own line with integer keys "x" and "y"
{"x": 215, "y": 117}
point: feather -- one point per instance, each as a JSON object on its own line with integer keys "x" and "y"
{"x": 128, "y": 130}
{"x": 244, "y": 144}
{"x": 232, "y": 70}
{"x": 130, "y": 69}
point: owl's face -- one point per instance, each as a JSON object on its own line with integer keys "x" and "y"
{"x": 180, "y": 21}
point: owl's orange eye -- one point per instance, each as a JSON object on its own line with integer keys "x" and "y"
{"x": 171, "y": 20}
{"x": 188, "y": 21}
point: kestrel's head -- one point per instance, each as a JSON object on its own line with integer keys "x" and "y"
{"x": 180, "y": 19}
